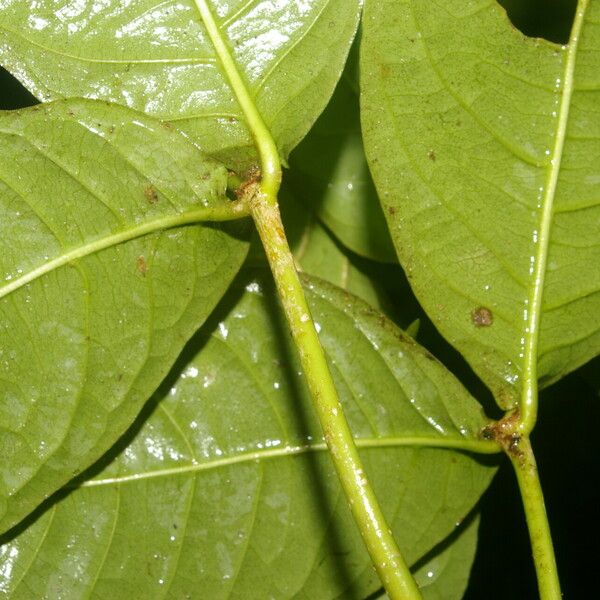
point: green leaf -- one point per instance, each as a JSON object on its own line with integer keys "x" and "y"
{"x": 102, "y": 282}
{"x": 227, "y": 490}
{"x": 340, "y": 188}
{"x": 155, "y": 56}
{"x": 445, "y": 575}
{"x": 485, "y": 148}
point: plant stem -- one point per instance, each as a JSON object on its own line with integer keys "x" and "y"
{"x": 384, "y": 552}
{"x": 525, "y": 467}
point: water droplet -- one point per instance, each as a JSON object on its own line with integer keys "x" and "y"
{"x": 190, "y": 372}
{"x": 223, "y": 330}
{"x": 253, "y": 287}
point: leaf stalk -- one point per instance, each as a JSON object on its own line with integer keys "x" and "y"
{"x": 265, "y": 144}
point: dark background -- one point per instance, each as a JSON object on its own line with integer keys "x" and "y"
{"x": 564, "y": 440}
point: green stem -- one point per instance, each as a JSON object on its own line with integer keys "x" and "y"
{"x": 378, "y": 538}
{"x": 384, "y": 552}
{"x": 267, "y": 149}
{"x": 523, "y": 461}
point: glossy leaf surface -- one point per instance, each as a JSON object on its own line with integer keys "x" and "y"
{"x": 329, "y": 173}
{"x": 155, "y": 56}
{"x": 96, "y": 302}
{"x": 445, "y": 575}
{"x": 481, "y": 142}
{"x": 226, "y": 491}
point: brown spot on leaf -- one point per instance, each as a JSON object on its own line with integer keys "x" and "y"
{"x": 151, "y": 193}
{"x": 432, "y": 155}
{"x": 141, "y": 266}
{"x": 482, "y": 317}
{"x": 384, "y": 70}
{"x": 391, "y": 210}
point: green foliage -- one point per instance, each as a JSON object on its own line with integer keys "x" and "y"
{"x": 155, "y": 56}
{"x": 227, "y": 484}
{"x": 156, "y": 428}
{"x": 96, "y": 301}
{"x": 340, "y": 190}
{"x": 464, "y": 135}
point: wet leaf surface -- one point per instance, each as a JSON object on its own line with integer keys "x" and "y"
{"x": 97, "y": 297}
{"x": 226, "y": 490}
{"x": 481, "y": 139}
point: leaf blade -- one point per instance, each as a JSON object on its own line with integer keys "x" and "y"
{"x": 474, "y": 124}
{"x": 86, "y": 342}
{"x": 263, "y": 519}
{"x": 155, "y": 57}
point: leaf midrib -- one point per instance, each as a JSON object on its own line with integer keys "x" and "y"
{"x": 441, "y": 442}
{"x": 533, "y": 309}
{"x": 227, "y": 211}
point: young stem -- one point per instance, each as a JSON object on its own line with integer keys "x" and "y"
{"x": 384, "y": 552}
{"x": 378, "y": 538}
{"x": 525, "y": 467}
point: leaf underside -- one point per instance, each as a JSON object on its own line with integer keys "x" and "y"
{"x": 155, "y": 56}
{"x": 461, "y": 119}
{"x": 89, "y": 326}
{"x": 445, "y": 576}
{"x": 340, "y": 189}
{"x": 227, "y": 490}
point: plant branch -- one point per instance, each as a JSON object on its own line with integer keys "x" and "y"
{"x": 525, "y": 467}
{"x": 507, "y": 434}
{"x": 384, "y": 552}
